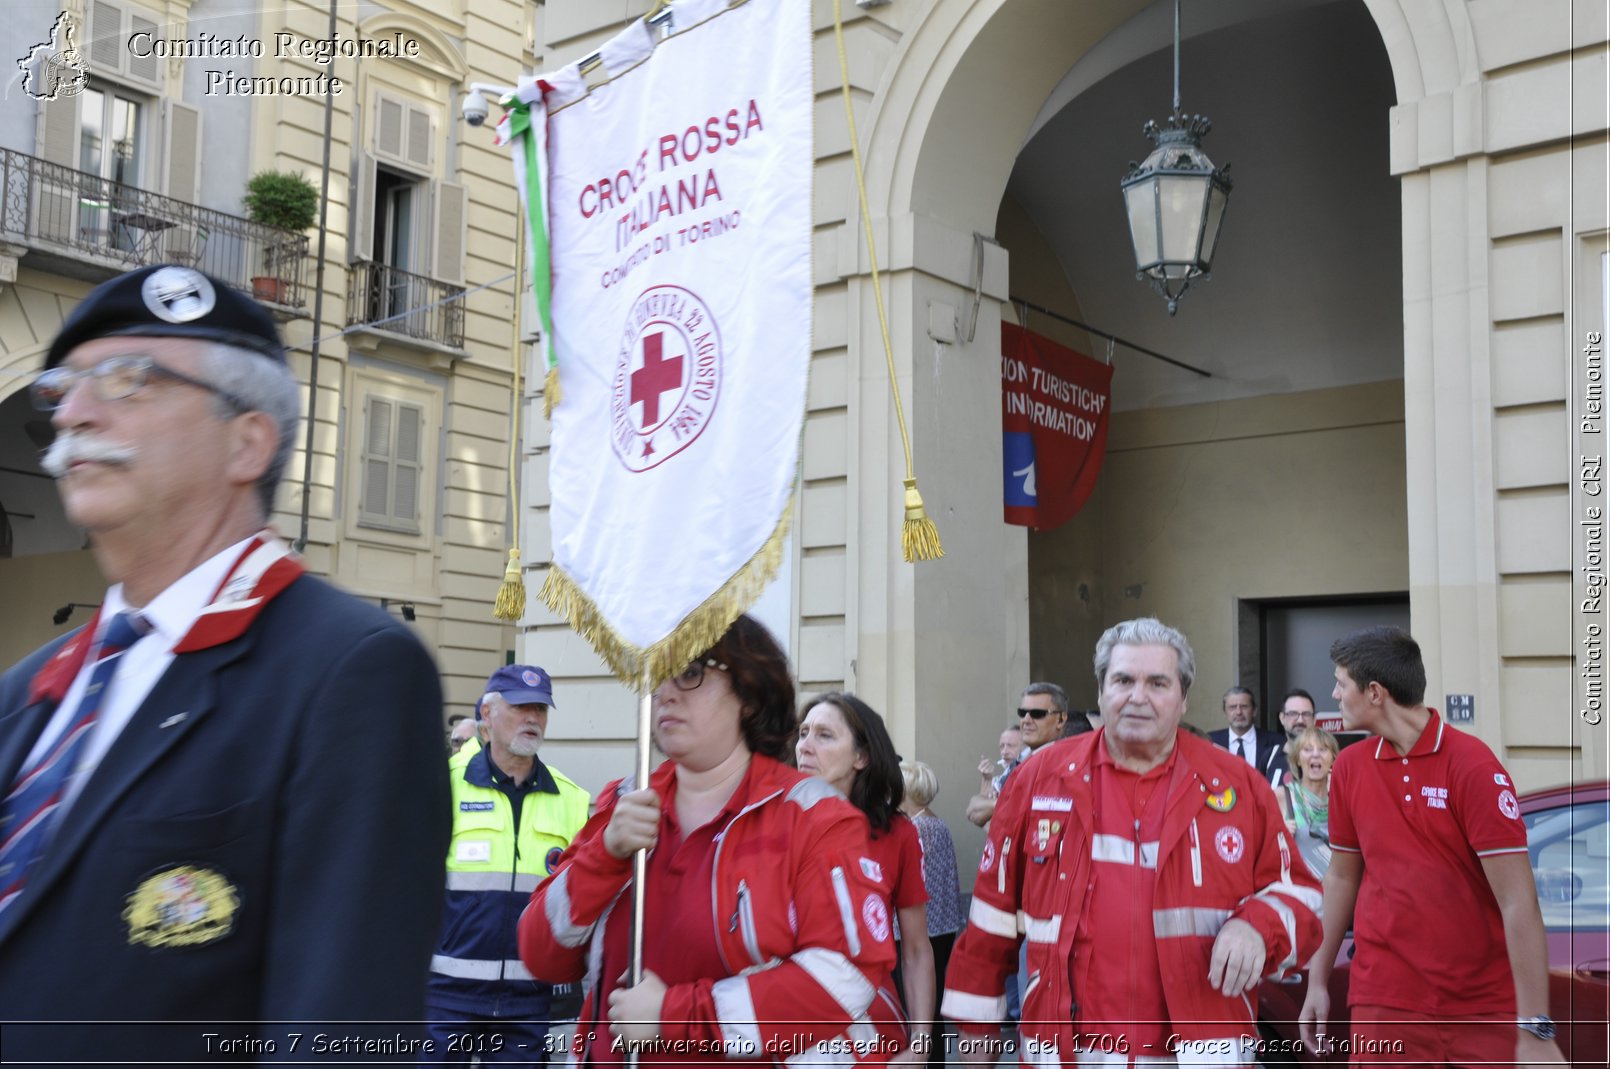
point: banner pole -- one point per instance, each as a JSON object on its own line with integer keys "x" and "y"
{"x": 645, "y": 715}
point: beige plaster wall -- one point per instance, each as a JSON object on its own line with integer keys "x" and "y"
{"x": 35, "y": 587}
{"x": 1297, "y": 495}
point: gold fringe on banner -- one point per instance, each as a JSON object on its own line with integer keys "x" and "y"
{"x": 550, "y": 393}
{"x": 698, "y": 631}
{"x": 510, "y": 602}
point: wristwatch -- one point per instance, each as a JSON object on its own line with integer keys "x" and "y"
{"x": 1541, "y": 1027}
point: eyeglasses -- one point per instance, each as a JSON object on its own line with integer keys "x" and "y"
{"x": 691, "y": 676}
{"x": 1036, "y": 714}
{"x": 114, "y": 379}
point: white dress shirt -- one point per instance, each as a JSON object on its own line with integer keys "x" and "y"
{"x": 171, "y": 614}
{"x": 1249, "y": 745}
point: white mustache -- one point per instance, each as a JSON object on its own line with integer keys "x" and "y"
{"x": 71, "y": 448}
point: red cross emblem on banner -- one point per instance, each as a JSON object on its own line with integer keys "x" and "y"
{"x": 667, "y": 377}
{"x": 657, "y": 376}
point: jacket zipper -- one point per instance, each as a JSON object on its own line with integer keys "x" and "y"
{"x": 715, "y": 884}
{"x": 1000, "y": 875}
{"x": 1196, "y": 856}
{"x": 745, "y": 915}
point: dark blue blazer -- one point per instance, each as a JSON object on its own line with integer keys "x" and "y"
{"x": 1269, "y": 745}
{"x": 303, "y": 763}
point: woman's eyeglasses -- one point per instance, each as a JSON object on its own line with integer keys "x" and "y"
{"x": 691, "y": 676}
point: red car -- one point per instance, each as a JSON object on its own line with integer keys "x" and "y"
{"x": 1568, "y": 838}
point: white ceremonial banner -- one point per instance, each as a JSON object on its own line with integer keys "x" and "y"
{"x": 679, "y": 200}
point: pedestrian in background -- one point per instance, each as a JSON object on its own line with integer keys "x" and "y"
{"x": 843, "y": 741}
{"x": 513, "y": 817}
{"x": 945, "y": 917}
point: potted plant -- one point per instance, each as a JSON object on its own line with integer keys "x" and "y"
{"x": 287, "y": 201}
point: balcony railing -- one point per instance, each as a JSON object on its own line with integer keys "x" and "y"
{"x": 105, "y": 227}
{"x": 389, "y": 298}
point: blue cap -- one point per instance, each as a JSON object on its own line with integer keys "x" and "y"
{"x": 522, "y": 684}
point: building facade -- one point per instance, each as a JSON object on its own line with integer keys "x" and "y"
{"x": 1400, "y": 419}
{"x": 1412, "y": 266}
{"x": 136, "y": 147}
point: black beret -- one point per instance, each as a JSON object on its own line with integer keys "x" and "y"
{"x": 168, "y": 301}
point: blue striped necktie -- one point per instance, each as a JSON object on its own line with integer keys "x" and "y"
{"x": 28, "y": 812}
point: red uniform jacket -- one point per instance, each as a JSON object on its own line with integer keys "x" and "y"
{"x": 1224, "y": 852}
{"x": 809, "y": 949}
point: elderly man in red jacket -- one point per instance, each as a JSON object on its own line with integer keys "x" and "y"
{"x": 1152, "y": 876}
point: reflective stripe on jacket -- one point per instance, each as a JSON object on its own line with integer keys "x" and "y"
{"x": 789, "y": 877}
{"x": 491, "y": 872}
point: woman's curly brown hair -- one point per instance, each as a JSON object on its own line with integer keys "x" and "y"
{"x": 760, "y": 678}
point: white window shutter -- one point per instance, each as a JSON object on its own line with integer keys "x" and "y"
{"x": 106, "y": 41}
{"x": 58, "y": 130}
{"x": 451, "y": 203}
{"x": 389, "y": 114}
{"x": 421, "y": 145}
{"x": 142, "y": 68}
{"x": 376, "y": 505}
{"x": 56, "y": 203}
{"x": 182, "y": 127}
{"x": 363, "y": 209}
{"x": 407, "y": 461}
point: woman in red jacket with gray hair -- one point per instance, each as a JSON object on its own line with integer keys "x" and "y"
{"x": 758, "y": 943}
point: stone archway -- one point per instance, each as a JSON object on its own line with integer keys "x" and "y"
{"x": 942, "y": 133}
{"x": 942, "y": 130}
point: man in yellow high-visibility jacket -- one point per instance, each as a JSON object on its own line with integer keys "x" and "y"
{"x": 512, "y": 818}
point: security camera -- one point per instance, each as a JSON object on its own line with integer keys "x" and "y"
{"x": 475, "y": 108}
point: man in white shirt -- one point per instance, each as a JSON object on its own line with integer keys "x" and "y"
{"x": 1243, "y": 738}
{"x": 223, "y": 799}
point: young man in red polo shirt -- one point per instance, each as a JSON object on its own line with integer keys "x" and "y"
{"x": 1449, "y": 963}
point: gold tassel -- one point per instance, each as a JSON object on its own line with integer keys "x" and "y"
{"x": 697, "y": 632}
{"x": 550, "y": 392}
{"x": 510, "y": 603}
{"x": 919, "y": 538}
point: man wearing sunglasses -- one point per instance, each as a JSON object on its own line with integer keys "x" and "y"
{"x": 1041, "y": 714}
{"x": 223, "y": 800}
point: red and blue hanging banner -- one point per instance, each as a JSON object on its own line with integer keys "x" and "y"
{"x": 1054, "y": 410}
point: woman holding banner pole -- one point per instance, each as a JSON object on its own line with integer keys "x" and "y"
{"x": 758, "y": 943}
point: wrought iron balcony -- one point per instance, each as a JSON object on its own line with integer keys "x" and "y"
{"x": 91, "y": 227}
{"x": 389, "y": 298}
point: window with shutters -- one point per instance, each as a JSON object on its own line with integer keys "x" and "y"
{"x": 110, "y": 27}
{"x": 393, "y": 465}
{"x": 403, "y": 133}
{"x": 408, "y": 236}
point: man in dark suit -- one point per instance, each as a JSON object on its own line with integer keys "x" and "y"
{"x": 1243, "y": 738}
{"x": 1296, "y": 715}
{"x": 224, "y": 798}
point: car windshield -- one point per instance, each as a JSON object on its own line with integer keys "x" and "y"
{"x": 1570, "y": 853}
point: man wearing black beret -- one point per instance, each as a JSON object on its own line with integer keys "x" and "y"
{"x": 223, "y": 800}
